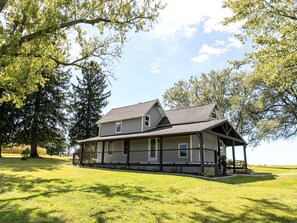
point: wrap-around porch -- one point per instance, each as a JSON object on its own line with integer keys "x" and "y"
{"x": 161, "y": 154}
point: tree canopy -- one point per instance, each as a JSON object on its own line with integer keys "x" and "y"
{"x": 231, "y": 91}
{"x": 271, "y": 26}
{"x": 42, "y": 118}
{"x": 37, "y": 36}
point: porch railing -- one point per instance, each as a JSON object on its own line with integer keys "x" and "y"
{"x": 141, "y": 158}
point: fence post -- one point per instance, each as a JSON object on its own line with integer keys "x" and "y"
{"x": 233, "y": 155}
{"x": 102, "y": 155}
{"x": 128, "y": 153}
{"x": 82, "y": 153}
{"x": 216, "y": 162}
{"x": 201, "y": 154}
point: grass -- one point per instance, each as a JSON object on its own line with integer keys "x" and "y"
{"x": 49, "y": 190}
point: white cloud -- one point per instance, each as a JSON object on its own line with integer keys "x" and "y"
{"x": 184, "y": 16}
{"x": 155, "y": 66}
{"x": 218, "y": 42}
{"x": 205, "y": 49}
{"x": 189, "y": 31}
{"x": 233, "y": 42}
{"x": 200, "y": 58}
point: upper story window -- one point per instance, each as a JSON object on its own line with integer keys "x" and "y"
{"x": 213, "y": 115}
{"x": 147, "y": 121}
{"x": 118, "y": 126}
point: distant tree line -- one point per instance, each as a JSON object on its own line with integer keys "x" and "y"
{"x": 57, "y": 114}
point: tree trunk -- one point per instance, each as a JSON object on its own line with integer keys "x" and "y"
{"x": 0, "y": 150}
{"x": 34, "y": 152}
{"x": 34, "y": 126}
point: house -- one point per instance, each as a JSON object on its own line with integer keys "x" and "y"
{"x": 144, "y": 136}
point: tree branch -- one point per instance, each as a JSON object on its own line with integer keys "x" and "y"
{"x": 2, "y": 4}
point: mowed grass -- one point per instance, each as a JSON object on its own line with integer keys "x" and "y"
{"x": 51, "y": 190}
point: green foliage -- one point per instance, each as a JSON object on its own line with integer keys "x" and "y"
{"x": 37, "y": 36}
{"x": 88, "y": 98}
{"x": 208, "y": 174}
{"x": 25, "y": 154}
{"x": 231, "y": 91}
{"x": 42, "y": 118}
{"x": 8, "y": 122}
{"x": 272, "y": 28}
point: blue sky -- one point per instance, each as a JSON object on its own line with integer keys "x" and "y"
{"x": 187, "y": 40}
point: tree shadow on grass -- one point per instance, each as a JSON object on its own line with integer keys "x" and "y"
{"x": 38, "y": 189}
{"x": 17, "y": 164}
{"x": 18, "y": 213}
{"x": 259, "y": 210}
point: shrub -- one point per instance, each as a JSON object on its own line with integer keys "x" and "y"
{"x": 25, "y": 154}
{"x": 208, "y": 174}
{"x": 173, "y": 169}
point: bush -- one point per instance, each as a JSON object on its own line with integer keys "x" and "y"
{"x": 208, "y": 174}
{"x": 173, "y": 170}
{"x": 25, "y": 154}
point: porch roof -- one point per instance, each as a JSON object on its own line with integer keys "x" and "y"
{"x": 212, "y": 127}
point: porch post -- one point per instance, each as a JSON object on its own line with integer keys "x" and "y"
{"x": 233, "y": 154}
{"x": 201, "y": 154}
{"x": 161, "y": 154}
{"x": 244, "y": 154}
{"x": 128, "y": 153}
{"x": 82, "y": 153}
{"x": 219, "y": 151}
{"x": 102, "y": 155}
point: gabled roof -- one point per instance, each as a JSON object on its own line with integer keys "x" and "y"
{"x": 188, "y": 115}
{"x": 128, "y": 112}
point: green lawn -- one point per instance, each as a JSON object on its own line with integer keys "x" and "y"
{"x": 49, "y": 190}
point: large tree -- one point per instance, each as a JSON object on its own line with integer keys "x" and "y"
{"x": 89, "y": 97}
{"x": 36, "y": 36}
{"x": 229, "y": 89}
{"x": 8, "y": 122}
{"x": 43, "y": 118}
{"x": 271, "y": 26}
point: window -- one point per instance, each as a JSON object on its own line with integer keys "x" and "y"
{"x": 110, "y": 148}
{"x": 126, "y": 146}
{"x": 118, "y": 126}
{"x": 182, "y": 150}
{"x": 213, "y": 115}
{"x": 152, "y": 149}
{"x": 147, "y": 121}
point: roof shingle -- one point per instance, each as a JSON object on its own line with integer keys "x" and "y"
{"x": 188, "y": 115}
{"x": 128, "y": 112}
